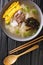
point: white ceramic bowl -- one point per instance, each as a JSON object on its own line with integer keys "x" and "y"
{"x": 31, "y": 37}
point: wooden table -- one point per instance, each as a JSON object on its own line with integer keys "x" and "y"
{"x": 6, "y": 44}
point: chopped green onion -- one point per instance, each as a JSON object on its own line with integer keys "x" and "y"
{"x": 34, "y": 11}
{"x": 17, "y": 31}
{"x": 26, "y": 9}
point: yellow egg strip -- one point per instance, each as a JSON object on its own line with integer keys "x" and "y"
{"x": 10, "y": 8}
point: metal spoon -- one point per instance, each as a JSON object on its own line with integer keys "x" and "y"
{"x": 12, "y": 58}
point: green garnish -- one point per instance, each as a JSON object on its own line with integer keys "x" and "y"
{"x": 28, "y": 33}
{"x": 26, "y": 9}
{"x": 34, "y": 11}
{"x": 17, "y": 31}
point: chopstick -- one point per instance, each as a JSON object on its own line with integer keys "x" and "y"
{"x": 26, "y": 44}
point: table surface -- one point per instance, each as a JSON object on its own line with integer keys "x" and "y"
{"x": 7, "y": 44}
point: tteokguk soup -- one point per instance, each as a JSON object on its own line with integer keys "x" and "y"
{"x": 21, "y": 20}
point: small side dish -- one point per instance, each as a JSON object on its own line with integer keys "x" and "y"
{"x": 21, "y": 20}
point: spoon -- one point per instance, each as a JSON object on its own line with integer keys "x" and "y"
{"x": 12, "y": 58}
